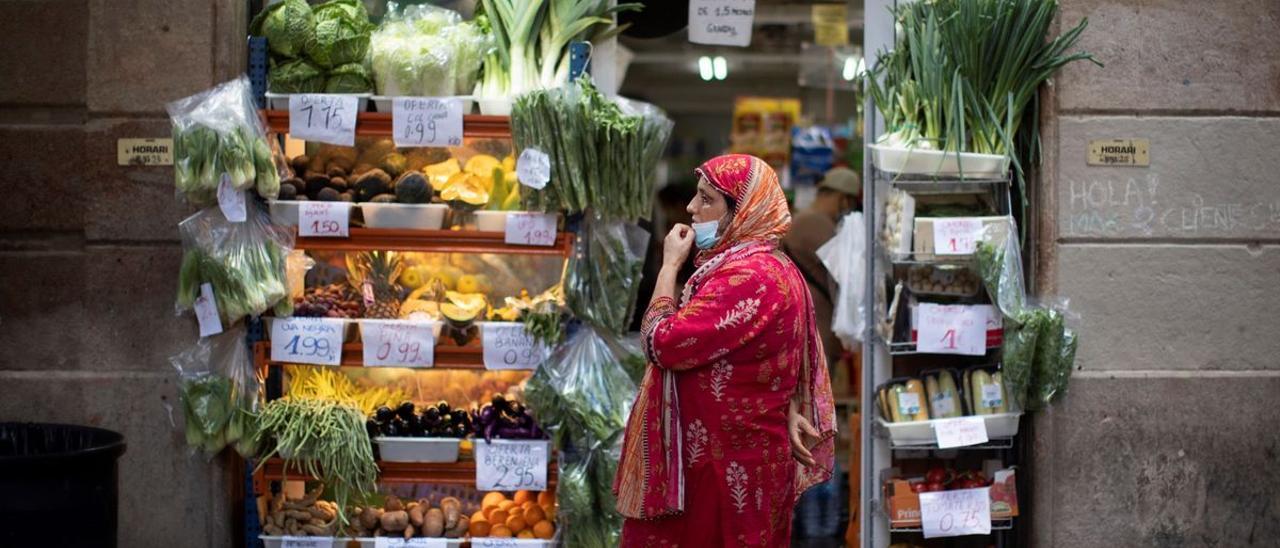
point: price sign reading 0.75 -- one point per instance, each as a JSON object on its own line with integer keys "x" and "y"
{"x": 955, "y": 513}
{"x": 426, "y": 122}
{"x": 307, "y": 340}
{"x": 325, "y": 118}
{"x": 511, "y": 465}
{"x": 398, "y": 344}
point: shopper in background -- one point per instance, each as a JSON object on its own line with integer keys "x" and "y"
{"x": 734, "y": 418}
{"x": 837, "y": 196}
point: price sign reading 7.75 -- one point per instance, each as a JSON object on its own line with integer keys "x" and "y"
{"x": 325, "y": 118}
{"x": 951, "y": 329}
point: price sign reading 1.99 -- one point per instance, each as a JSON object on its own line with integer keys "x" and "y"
{"x": 398, "y": 344}
{"x": 511, "y": 465}
{"x": 426, "y": 122}
{"x": 508, "y": 345}
{"x": 324, "y": 118}
{"x": 307, "y": 340}
{"x": 531, "y": 229}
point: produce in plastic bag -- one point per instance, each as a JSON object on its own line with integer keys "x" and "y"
{"x": 844, "y": 256}
{"x": 245, "y": 263}
{"x": 217, "y": 134}
{"x": 424, "y": 50}
{"x": 219, "y": 391}
{"x": 583, "y": 383}
{"x": 604, "y": 273}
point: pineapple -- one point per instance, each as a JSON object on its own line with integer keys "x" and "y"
{"x": 378, "y": 270}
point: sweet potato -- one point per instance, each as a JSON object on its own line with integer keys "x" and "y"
{"x": 464, "y": 524}
{"x": 452, "y": 508}
{"x": 416, "y": 513}
{"x": 396, "y": 521}
{"x": 393, "y": 504}
{"x": 409, "y": 532}
{"x": 370, "y": 518}
{"x": 433, "y": 525}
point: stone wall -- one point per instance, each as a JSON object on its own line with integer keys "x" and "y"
{"x": 1167, "y": 435}
{"x": 89, "y": 250}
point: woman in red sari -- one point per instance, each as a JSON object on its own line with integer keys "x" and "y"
{"x": 734, "y": 418}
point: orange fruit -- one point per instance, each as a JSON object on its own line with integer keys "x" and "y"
{"x": 492, "y": 498}
{"x": 506, "y": 505}
{"x": 544, "y": 530}
{"x": 546, "y": 498}
{"x": 479, "y": 528}
{"x": 526, "y": 534}
{"x": 488, "y": 511}
{"x": 516, "y": 524}
{"x": 498, "y": 516}
{"x": 522, "y": 497}
{"x": 500, "y": 531}
{"x": 550, "y": 512}
{"x": 535, "y": 514}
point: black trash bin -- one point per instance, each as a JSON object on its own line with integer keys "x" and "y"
{"x": 58, "y": 485}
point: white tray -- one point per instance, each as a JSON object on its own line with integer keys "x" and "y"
{"x": 370, "y": 542}
{"x": 384, "y": 103}
{"x": 494, "y": 106}
{"x": 276, "y": 542}
{"x": 487, "y": 542}
{"x": 999, "y": 426}
{"x": 491, "y": 221}
{"x": 915, "y": 161}
{"x": 418, "y": 449}
{"x": 419, "y": 216}
{"x": 280, "y": 101}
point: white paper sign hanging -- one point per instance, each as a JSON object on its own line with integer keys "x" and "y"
{"x": 958, "y": 236}
{"x": 511, "y": 465}
{"x": 391, "y": 542}
{"x": 951, "y": 329}
{"x": 426, "y": 122}
{"x": 956, "y": 513}
{"x": 207, "y": 312}
{"x": 508, "y": 345}
{"x": 322, "y": 117}
{"x": 531, "y": 229}
{"x": 306, "y": 542}
{"x": 324, "y": 219}
{"x": 307, "y": 340}
{"x": 533, "y": 168}
{"x": 960, "y": 432}
{"x": 721, "y": 22}
{"x": 230, "y": 200}
{"x": 398, "y": 344}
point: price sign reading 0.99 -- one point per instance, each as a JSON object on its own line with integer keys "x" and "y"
{"x": 956, "y": 513}
{"x": 307, "y": 340}
{"x": 511, "y": 465}
{"x": 508, "y": 345}
{"x": 531, "y": 229}
{"x": 324, "y": 219}
{"x": 324, "y": 118}
{"x": 426, "y": 122}
{"x": 398, "y": 344}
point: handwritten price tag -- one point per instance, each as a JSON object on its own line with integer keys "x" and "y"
{"x": 398, "y": 344}
{"x": 721, "y": 22}
{"x": 511, "y": 465}
{"x": 958, "y": 236}
{"x": 533, "y": 168}
{"x": 956, "y": 513}
{"x": 325, "y": 219}
{"x": 389, "y": 542}
{"x": 492, "y": 542}
{"x": 230, "y": 200}
{"x": 531, "y": 229}
{"x": 426, "y": 122}
{"x": 325, "y": 118}
{"x": 508, "y": 345}
{"x": 951, "y": 329}
{"x": 307, "y": 340}
{"x": 960, "y": 432}
{"x": 207, "y": 312}
{"x": 306, "y": 542}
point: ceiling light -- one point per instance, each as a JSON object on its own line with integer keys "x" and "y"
{"x": 722, "y": 68}
{"x": 853, "y": 67}
{"x": 704, "y": 68}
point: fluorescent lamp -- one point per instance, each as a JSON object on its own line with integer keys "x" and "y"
{"x": 853, "y": 67}
{"x": 722, "y": 68}
{"x": 704, "y": 68}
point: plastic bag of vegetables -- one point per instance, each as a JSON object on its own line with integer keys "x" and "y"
{"x": 583, "y": 383}
{"x": 244, "y": 263}
{"x": 426, "y": 50}
{"x": 219, "y": 391}
{"x": 604, "y": 273}
{"x": 217, "y": 135}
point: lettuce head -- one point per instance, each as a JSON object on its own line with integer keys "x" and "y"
{"x": 297, "y": 76}
{"x": 348, "y": 78}
{"x": 339, "y": 40}
{"x": 288, "y": 26}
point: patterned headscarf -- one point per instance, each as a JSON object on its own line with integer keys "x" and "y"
{"x": 760, "y": 212}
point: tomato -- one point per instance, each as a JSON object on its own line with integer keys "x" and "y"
{"x": 936, "y": 474}
{"x": 933, "y": 486}
{"x": 917, "y": 486}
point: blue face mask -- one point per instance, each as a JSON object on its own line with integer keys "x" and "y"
{"x": 704, "y": 234}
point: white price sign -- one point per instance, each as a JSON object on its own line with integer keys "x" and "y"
{"x": 956, "y": 513}
{"x": 533, "y": 168}
{"x": 307, "y": 340}
{"x": 531, "y": 229}
{"x": 508, "y": 345}
{"x": 511, "y": 465}
{"x": 306, "y": 542}
{"x": 324, "y": 219}
{"x": 325, "y": 118}
{"x": 721, "y": 22}
{"x": 960, "y": 432}
{"x": 207, "y": 312}
{"x": 951, "y": 329}
{"x": 426, "y": 122}
{"x": 230, "y": 200}
{"x": 398, "y": 344}
{"x": 389, "y": 542}
{"x": 958, "y": 236}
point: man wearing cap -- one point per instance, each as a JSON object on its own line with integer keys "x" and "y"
{"x": 837, "y": 196}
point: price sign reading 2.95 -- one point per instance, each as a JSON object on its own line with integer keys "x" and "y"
{"x": 398, "y": 344}
{"x": 307, "y": 340}
{"x": 508, "y": 345}
{"x": 324, "y": 219}
{"x": 325, "y": 118}
{"x": 426, "y": 122}
{"x": 511, "y": 465}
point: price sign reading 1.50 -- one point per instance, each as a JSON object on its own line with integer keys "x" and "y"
{"x": 426, "y": 121}
{"x": 398, "y": 344}
{"x": 324, "y": 219}
{"x": 326, "y": 118}
{"x": 307, "y": 340}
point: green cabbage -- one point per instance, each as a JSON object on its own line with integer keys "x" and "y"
{"x": 348, "y": 78}
{"x": 342, "y": 34}
{"x": 288, "y": 27}
{"x": 297, "y": 76}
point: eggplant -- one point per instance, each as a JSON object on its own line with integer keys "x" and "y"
{"x": 431, "y": 414}
{"x": 443, "y": 407}
{"x": 384, "y": 414}
{"x": 395, "y": 428}
{"x": 406, "y": 410}
{"x": 371, "y": 426}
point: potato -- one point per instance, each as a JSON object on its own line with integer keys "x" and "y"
{"x": 452, "y": 508}
{"x": 433, "y": 525}
{"x": 464, "y": 525}
{"x": 396, "y": 521}
{"x": 416, "y": 513}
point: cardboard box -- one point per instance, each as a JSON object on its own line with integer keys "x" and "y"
{"x": 922, "y": 241}
{"x": 903, "y": 506}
